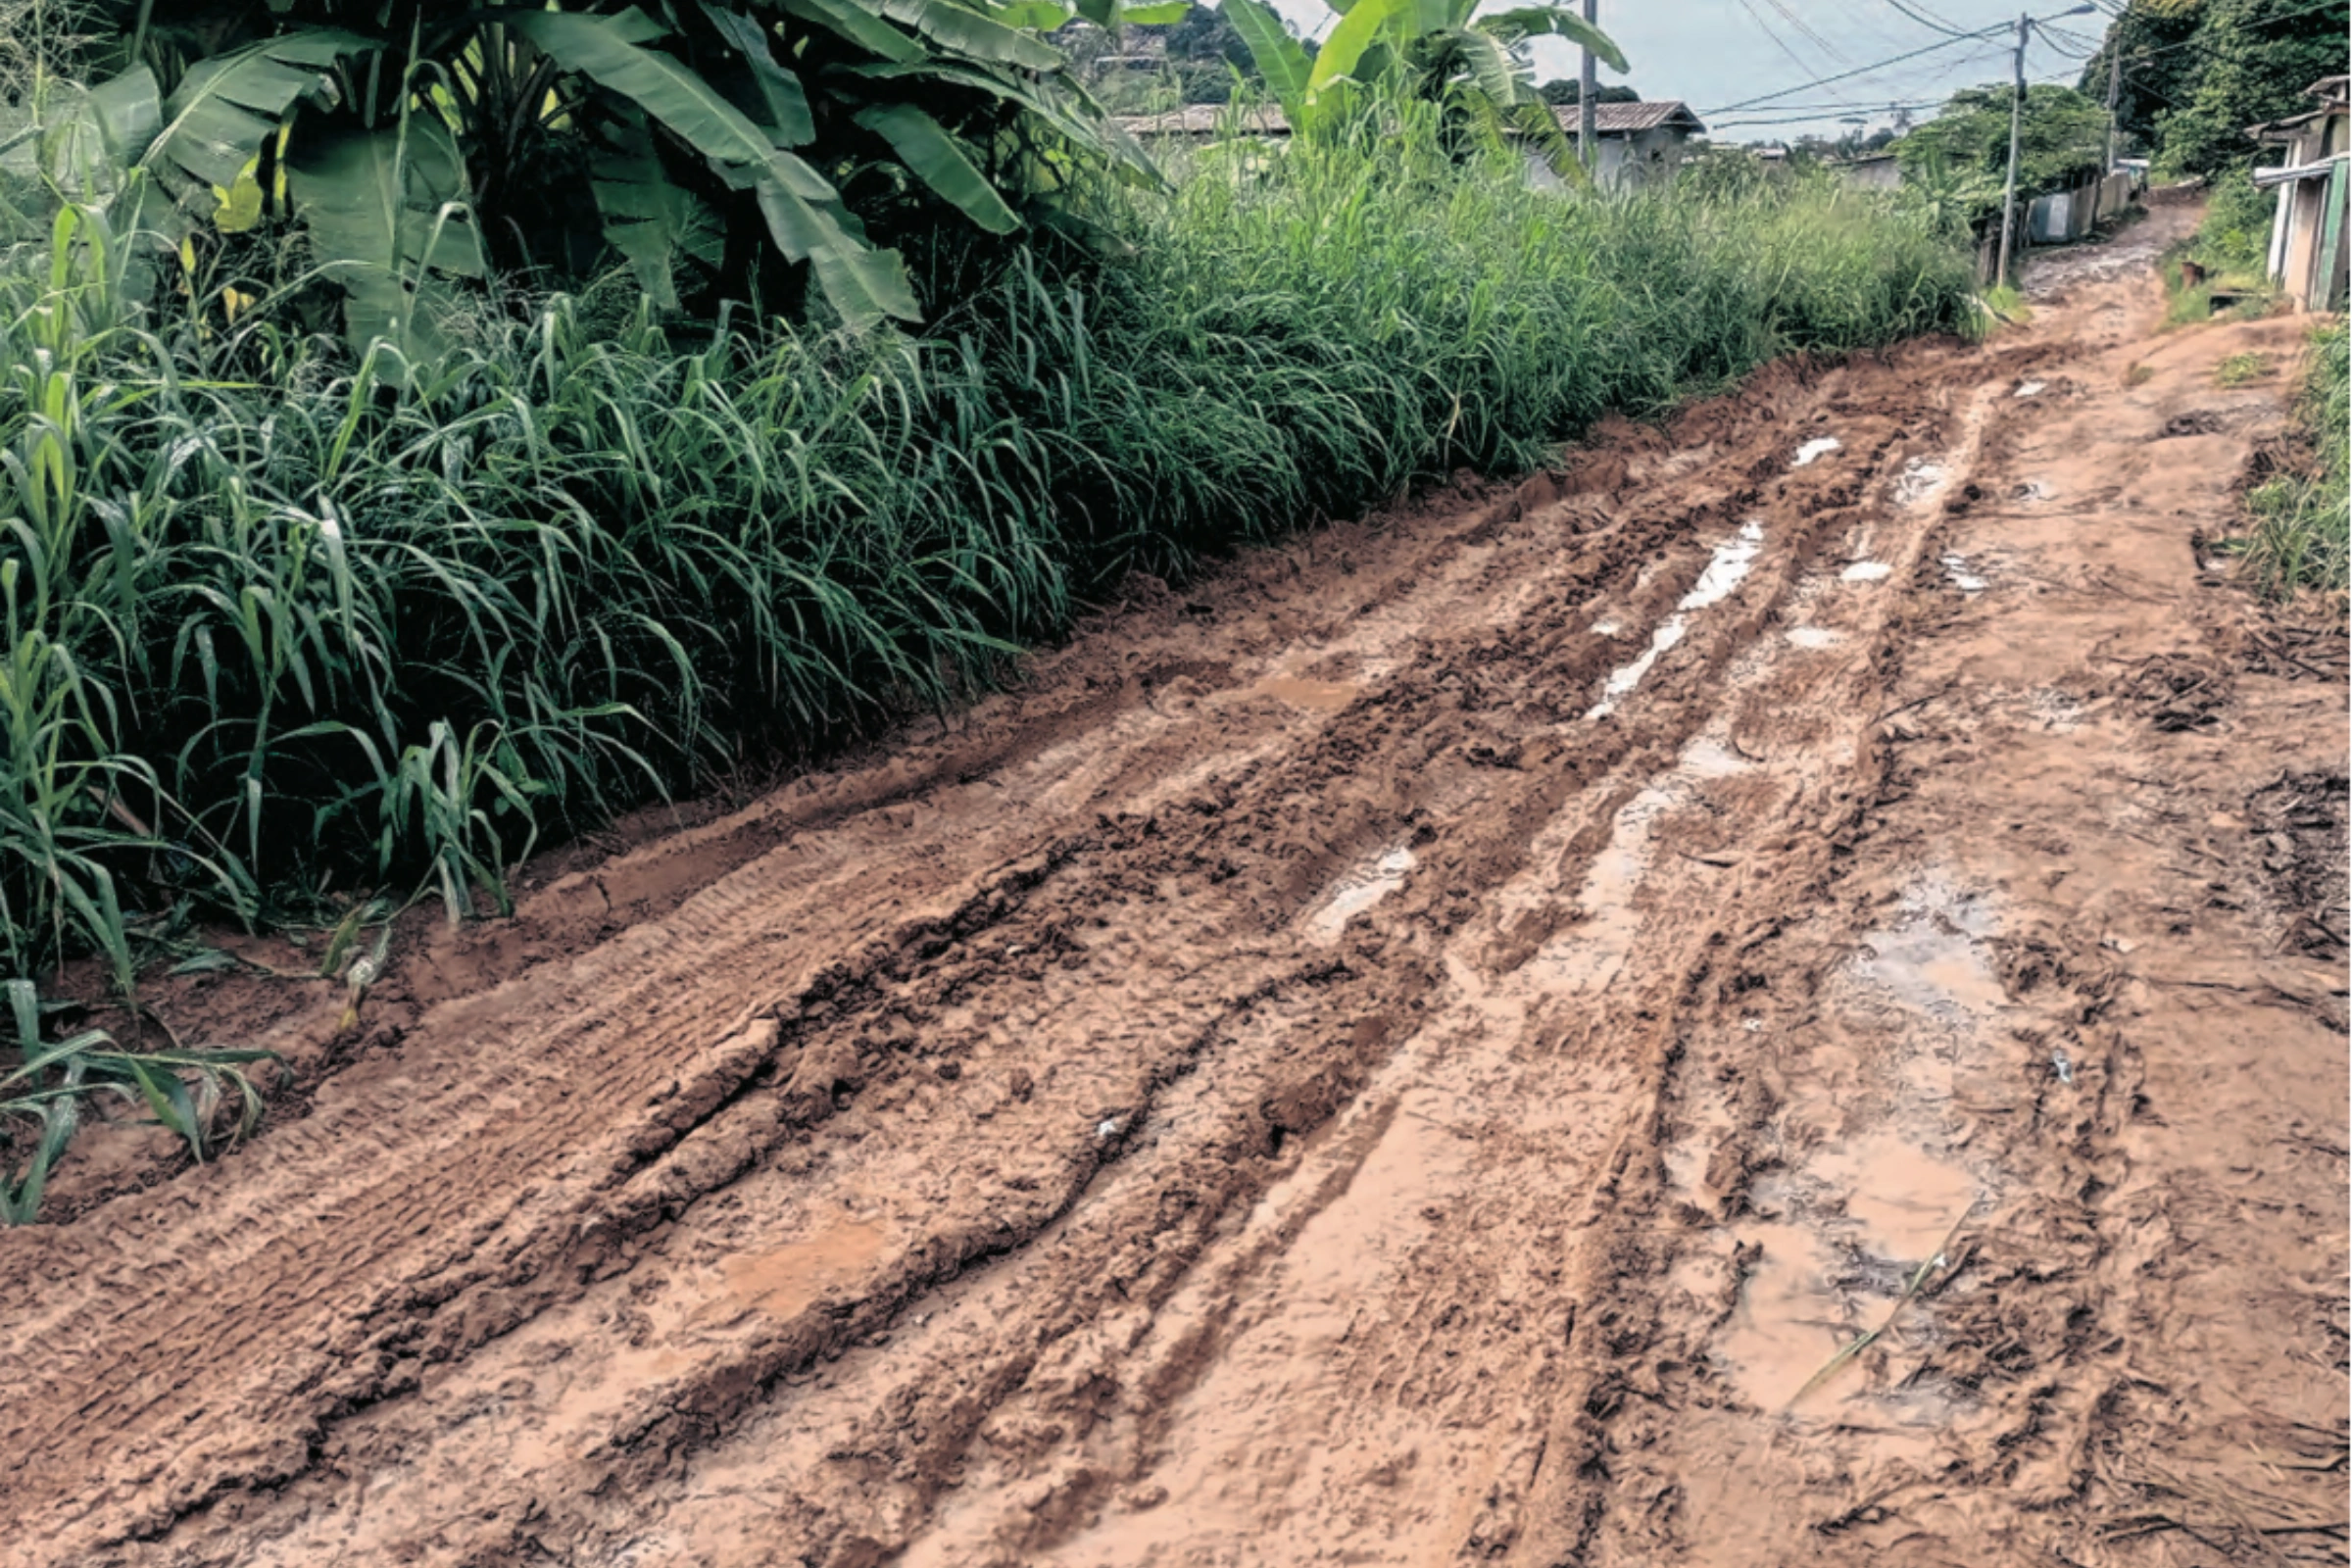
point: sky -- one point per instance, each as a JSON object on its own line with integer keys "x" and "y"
{"x": 1713, "y": 54}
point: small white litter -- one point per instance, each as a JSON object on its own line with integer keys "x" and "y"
{"x": 1867, "y": 571}
{"x": 1819, "y": 447}
{"x": 2028, "y": 389}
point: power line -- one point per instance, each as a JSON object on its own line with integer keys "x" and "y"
{"x": 2070, "y": 38}
{"x": 1859, "y": 70}
{"x": 1929, "y": 19}
{"x": 1772, "y": 33}
{"x": 1807, "y": 29}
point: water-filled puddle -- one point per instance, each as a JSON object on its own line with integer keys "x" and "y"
{"x": 1837, "y": 1240}
{"x": 1316, "y": 696}
{"x": 1932, "y": 958}
{"x": 787, "y": 1281}
{"x": 1361, "y": 888}
{"x": 1905, "y": 1200}
{"x": 1789, "y": 1320}
{"x": 1833, "y": 1259}
{"x": 1730, "y": 561}
{"x": 1819, "y": 447}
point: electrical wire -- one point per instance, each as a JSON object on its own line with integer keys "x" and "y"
{"x": 1846, "y": 76}
{"x": 1828, "y": 48}
{"x": 1774, "y": 33}
{"x": 1927, "y": 20}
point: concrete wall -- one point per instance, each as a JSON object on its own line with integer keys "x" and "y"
{"x": 1648, "y": 158}
{"x": 1872, "y": 173}
{"x": 2067, "y": 215}
{"x": 2308, "y": 243}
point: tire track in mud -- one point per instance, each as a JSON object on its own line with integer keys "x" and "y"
{"x": 1952, "y": 1061}
{"x": 430, "y": 1204}
{"x": 986, "y": 1155}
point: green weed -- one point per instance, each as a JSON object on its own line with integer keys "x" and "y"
{"x": 2301, "y": 523}
{"x": 2240, "y": 368}
{"x": 272, "y": 612}
{"x": 48, "y": 1091}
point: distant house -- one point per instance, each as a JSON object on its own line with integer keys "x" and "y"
{"x": 1639, "y": 142}
{"x": 1200, "y": 122}
{"x": 2307, "y": 236}
{"x": 1871, "y": 171}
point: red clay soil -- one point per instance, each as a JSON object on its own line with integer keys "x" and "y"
{"x": 1424, "y": 1048}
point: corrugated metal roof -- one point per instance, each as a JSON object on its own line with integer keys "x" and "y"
{"x": 1610, "y": 119}
{"x": 1205, "y": 120}
{"x": 1626, "y": 120}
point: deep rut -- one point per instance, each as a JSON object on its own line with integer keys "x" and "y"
{"x": 1289, "y": 1085}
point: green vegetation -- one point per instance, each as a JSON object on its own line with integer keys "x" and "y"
{"x": 2197, "y": 72}
{"x": 298, "y": 627}
{"x": 44, "y": 1095}
{"x": 1432, "y": 50}
{"x": 1960, "y": 160}
{"x": 2240, "y": 369}
{"x": 2234, "y": 239}
{"x": 2231, "y": 250}
{"x": 2301, "y": 525}
{"x": 421, "y": 148}
{"x": 1200, "y": 60}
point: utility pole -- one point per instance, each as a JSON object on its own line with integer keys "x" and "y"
{"x": 2114, "y": 93}
{"x": 1587, "y": 113}
{"x": 2017, "y": 110}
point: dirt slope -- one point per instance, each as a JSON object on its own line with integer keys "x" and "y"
{"x": 1418, "y": 1052}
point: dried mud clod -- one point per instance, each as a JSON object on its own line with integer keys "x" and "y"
{"x": 2300, "y": 821}
{"x": 2179, "y": 692}
{"x": 2298, "y": 652}
{"x": 2197, "y": 422}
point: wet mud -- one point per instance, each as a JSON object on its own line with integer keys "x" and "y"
{"x": 1774, "y": 993}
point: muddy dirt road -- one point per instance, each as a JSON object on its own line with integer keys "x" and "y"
{"x": 1421, "y": 1049}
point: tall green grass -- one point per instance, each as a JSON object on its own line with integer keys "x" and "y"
{"x": 280, "y": 622}
{"x": 2302, "y": 518}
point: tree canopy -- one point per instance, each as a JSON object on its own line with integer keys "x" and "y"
{"x": 2197, "y": 72}
{"x": 2062, "y": 138}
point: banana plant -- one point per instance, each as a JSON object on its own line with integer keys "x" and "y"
{"x": 1437, "y": 48}
{"x": 418, "y": 145}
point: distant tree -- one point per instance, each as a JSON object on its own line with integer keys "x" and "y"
{"x": 2197, "y": 72}
{"x": 1207, "y": 36}
{"x": 1569, "y": 92}
{"x": 2062, "y": 138}
{"x": 1475, "y": 67}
